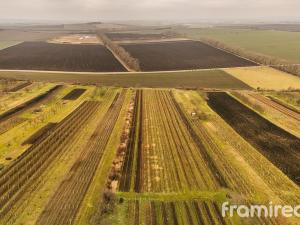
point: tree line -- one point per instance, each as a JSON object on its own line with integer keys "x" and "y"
{"x": 274, "y": 62}
{"x": 131, "y": 62}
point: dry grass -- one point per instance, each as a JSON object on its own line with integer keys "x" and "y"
{"x": 265, "y": 78}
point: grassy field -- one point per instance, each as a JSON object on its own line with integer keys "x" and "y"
{"x": 6, "y": 44}
{"x": 194, "y": 79}
{"x": 280, "y": 44}
{"x": 265, "y": 78}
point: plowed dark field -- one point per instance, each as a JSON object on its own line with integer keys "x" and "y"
{"x": 59, "y": 57}
{"x": 279, "y": 146}
{"x": 182, "y": 55}
{"x": 74, "y": 94}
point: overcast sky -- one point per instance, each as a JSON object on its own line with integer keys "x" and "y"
{"x": 211, "y": 10}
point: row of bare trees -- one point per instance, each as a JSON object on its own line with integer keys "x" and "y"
{"x": 131, "y": 63}
{"x": 256, "y": 57}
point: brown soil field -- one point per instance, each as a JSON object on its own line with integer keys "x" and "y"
{"x": 74, "y": 94}
{"x": 59, "y": 57}
{"x": 276, "y": 144}
{"x": 182, "y": 55}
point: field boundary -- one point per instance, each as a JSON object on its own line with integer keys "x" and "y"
{"x": 242, "y": 57}
{"x": 119, "y": 59}
{"x": 129, "y": 72}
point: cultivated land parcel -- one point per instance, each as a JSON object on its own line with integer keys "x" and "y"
{"x": 280, "y": 44}
{"x": 151, "y": 148}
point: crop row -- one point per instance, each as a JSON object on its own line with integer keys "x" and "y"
{"x": 225, "y": 172}
{"x": 26, "y": 169}
{"x": 193, "y": 212}
{"x": 167, "y": 156}
{"x": 241, "y": 165}
{"x": 69, "y": 195}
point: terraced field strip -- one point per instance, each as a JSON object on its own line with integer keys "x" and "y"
{"x": 10, "y": 123}
{"x": 20, "y": 86}
{"x": 74, "y": 94}
{"x": 276, "y": 106}
{"x": 44, "y": 131}
{"x": 24, "y": 172}
{"x": 127, "y": 182}
{"x": 26, "y": 105}
{"x": 169, "y": 159}
{"x": 67, "y": 199}
{"x": 277, "y": 145}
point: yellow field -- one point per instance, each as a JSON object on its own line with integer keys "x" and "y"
{"x": 265, "y": 78}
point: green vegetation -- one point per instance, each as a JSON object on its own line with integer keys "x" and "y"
{"x": 186, "y": 79}
{"x": 279, "y": 44}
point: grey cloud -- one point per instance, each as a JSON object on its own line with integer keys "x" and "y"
{"x": 150, "y": 9}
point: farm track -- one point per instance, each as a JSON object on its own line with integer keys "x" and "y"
{"x": 24, "y": 172}
{"x": 277, "y": 106}
{"x": 64, "y": 204}
{"x": 277, "y": 145}
{"x": 27, "y": 105}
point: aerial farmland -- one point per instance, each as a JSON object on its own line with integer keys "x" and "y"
{"x": 123, "y": 124}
